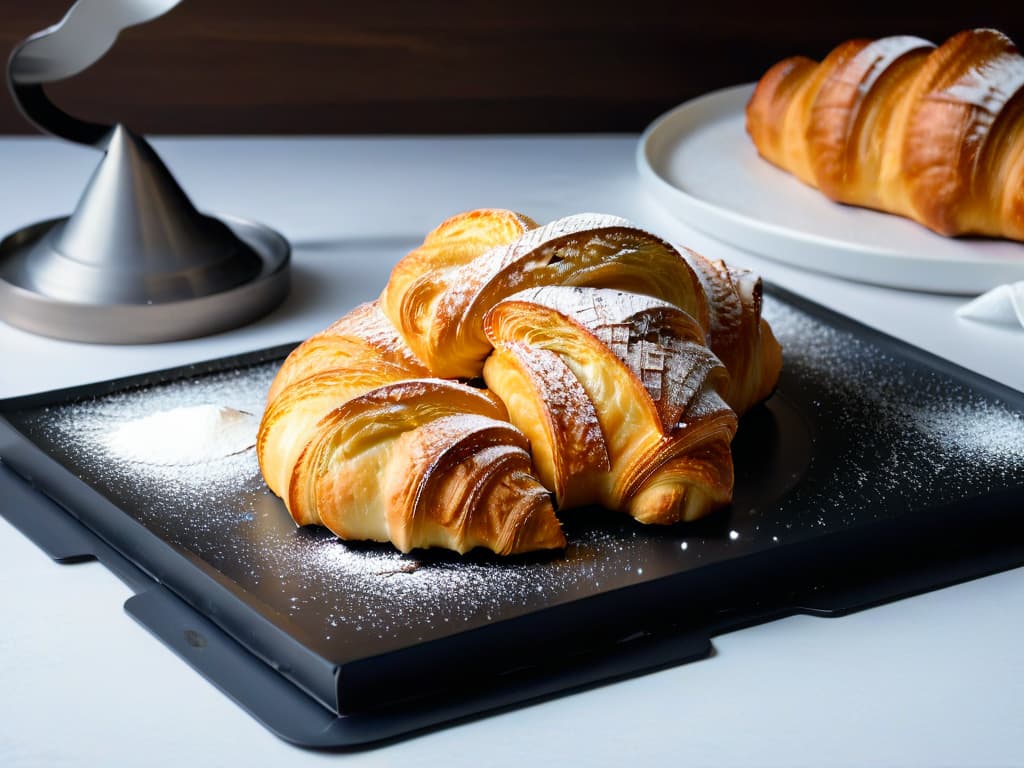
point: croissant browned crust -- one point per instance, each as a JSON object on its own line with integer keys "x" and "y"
{"x": 438, "y": 302}
{"x": 591, "y": 336}
{"x": 898, "y": 125}
{"x": 620, "y": 398}
{"x": 357, "y": 436}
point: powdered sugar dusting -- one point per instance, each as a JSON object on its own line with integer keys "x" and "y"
{"x": 980, "y": 434}
{"x": 195, "y": 434}
{"x": 989, "y": 85}
{"x": 931, "y": 431}
{"x": 385, "y": 589}
{"x": 222, "y": 511}
{"x": 902, "y": 437}
{"x": 881, "y": 54}
{"x": 191, "y": 437}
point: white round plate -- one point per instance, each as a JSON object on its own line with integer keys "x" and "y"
{"x": 700, "y": 164}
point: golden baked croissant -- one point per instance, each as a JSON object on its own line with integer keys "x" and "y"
{"x": 357, "y": 436}
{"x": 898, "y": 125}
{"x": 437, "y": 295}
{"x": 619, "y": 397}
{"x": 590, "y": 335}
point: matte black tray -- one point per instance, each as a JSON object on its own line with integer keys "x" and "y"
{"x": 875, "y": 471}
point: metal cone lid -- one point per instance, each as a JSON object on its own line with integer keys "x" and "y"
{"x": 136, "y": 238}
{"x": 136, "y": 262}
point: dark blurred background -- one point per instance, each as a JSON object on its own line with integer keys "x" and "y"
{"x": 326, "y": 66}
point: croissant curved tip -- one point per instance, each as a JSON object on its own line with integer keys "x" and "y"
{"x": 666, "y": 505}
{"x": 541, "y": 531}
{"x": 530, "y": 525}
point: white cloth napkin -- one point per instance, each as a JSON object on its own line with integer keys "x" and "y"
{"x": 1003, "y": 305}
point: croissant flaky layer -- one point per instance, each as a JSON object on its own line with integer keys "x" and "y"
{"x": 620, "y": 398}
{"x": 935, "y": 134}
{"x": 508, "y": 370}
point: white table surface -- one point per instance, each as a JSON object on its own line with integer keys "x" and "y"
{"x": 936, "y": 679}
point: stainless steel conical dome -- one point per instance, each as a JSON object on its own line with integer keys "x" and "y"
{"x": 135, "y": 262}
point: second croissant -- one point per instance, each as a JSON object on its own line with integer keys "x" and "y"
{"x": 935, "y": 134}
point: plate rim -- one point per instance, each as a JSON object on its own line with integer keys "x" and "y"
{"x": 822, "y": 254}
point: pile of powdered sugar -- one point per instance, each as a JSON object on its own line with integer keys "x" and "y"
{"x": 184, "y": 436}
{"x": 179, "y": 443}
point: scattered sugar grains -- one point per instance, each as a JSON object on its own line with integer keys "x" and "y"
{"x": 913, "y": 433}
{"x": 177, "y": 456}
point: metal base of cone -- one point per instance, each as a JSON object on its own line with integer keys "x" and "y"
{"x": 38, "y": 313}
